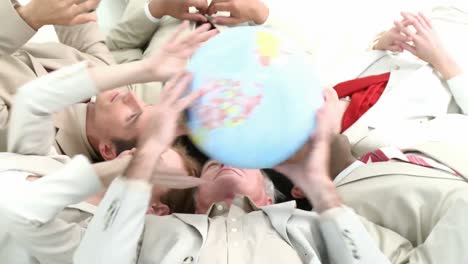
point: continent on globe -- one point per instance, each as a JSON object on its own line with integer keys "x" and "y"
{"x": 228, "y": 104}
{"x": 269, "y": 47}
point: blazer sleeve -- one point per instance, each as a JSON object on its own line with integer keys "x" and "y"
{"x": 86, "y": 38}
{"x": 31, "y": 130}
{"x": 134, "y": 30}
{"x": 14, "y": 32}
{"x": 29, "y": 210}
{"x": 116, "y": 229}
{"x": 458, "y": 85}
{"x": 347, "y": 240}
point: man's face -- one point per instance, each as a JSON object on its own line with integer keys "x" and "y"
{"x": 119, "y": 115}
{"x": 225, "y": 182}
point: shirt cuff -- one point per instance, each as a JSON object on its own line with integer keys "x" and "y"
{"x": 458, "y": 86}
{"x": 149, "y": 16}
{"x": 43, "y": 199}
{"x": 55, "y": 91}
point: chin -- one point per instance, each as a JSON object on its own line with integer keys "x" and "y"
{"x": 228, "y": 182}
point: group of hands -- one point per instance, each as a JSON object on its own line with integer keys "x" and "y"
{"x": 310, "y": 167}
{"x": 241, "y": 11}
{"x": 38, "y": 13}
{"x": 415, "y": 34}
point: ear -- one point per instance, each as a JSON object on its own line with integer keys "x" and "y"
{"x": 161, "y": 209}
{"x": 107, "y": 151}
{"x": 297, "y": 193}
{"x": 269, "y": 200}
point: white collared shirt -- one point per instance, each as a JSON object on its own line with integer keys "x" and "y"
{"x": 344, "y": 173}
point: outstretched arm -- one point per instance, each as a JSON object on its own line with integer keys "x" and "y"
{"x": 29, "y": 210}
{"x": 141, "y": 19}
{"x": 426, "y": 45}
{"x": 31, "y": 130}
{"x": 114, "y": 233}
{"x": 346, "y": 238}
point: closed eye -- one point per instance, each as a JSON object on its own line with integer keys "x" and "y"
{"x": 132, "y": 119}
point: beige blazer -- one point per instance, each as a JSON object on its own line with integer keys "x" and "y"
{"x": 22, "y": 62}
{"x": 114, "y": 235}
{"x": 414, "y": 87}
{"x": 425, "y": 206}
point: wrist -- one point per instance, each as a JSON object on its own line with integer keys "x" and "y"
{"x": 146, "y": 71}
{"x": 447, "y": 67}
{"x": 156, "y": 9}
{"x": 143, "y": 163}
{"x": 322, "y": 195}
{"x": 27, "y": 14}
{"x": 376, "y": 46}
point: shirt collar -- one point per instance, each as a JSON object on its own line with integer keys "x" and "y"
{"x": 343, "y": 174}
{"x": 240, "y": 202}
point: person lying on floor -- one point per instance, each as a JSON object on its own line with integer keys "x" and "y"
{"x": 397, "y": 95}
{"x": 31, "y": 228}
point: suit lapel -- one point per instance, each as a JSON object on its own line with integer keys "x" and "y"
{"x": 279, "y": 215}
{"x": 357, "y": 65}
{"x": 447, "y": 154}
{"x": 37, "y": 66}
{"x": 378, "y": 169}
{"x": 199, "y": 222}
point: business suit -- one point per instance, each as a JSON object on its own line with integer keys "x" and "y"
{"x": 414, "y": 97}
{"x": 35, "y": 226}
{"x": 426, "y": 206}
{"x": 43, "y": 221}
{"x": 22, "y": 62}
{"x": 119, "y": 223}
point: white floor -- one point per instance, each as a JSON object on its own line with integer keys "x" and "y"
{"x": 336, "y": 29}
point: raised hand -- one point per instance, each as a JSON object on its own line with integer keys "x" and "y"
{"x": 179, "y": 9}
{"x": 389, "y": 40}
{"x": 173, "y": 56}
{"x": 241, "y": 11}
{"x": 38, "y": 13}
{"x": 161, "y": 129}
{"x": 425, "y": 44}
{"x": 309, "y": 170}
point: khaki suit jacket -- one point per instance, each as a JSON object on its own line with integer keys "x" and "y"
{"x": 22, "y": 62}
{"x": 427, "y": 207}
{"x": 119, "y": 232}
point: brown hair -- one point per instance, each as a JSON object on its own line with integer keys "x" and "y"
{"x": 122, "y": 145}
{"x": 182, "y": 201}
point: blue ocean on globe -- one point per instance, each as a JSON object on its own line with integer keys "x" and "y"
{"x": 262, "y": 99}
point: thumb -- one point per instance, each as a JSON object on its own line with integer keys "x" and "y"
{"x": 284, "y": 168}
{"x": 226, "y": 21}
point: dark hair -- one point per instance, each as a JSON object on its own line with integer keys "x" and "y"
{"x": 182, "y": 201}
{"x": 122, "y": 145}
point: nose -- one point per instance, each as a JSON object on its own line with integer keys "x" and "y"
{"x": 131, "y": 100}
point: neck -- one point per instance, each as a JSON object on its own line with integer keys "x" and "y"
{"x": 337, "y": 165}
{"x": 90, "y": 129}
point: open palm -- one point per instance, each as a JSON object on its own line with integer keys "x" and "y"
{"x": 173, "y": 56}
